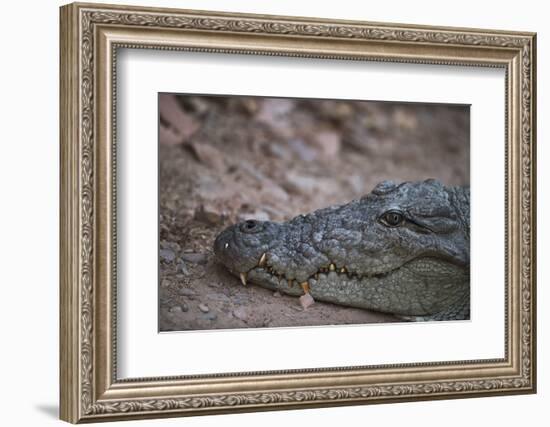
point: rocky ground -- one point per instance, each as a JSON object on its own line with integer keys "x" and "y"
{"x": 225, "y": 159}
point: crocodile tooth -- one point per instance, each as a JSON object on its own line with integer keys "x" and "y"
{"x": 243, "y": 278}
{"x": 343, "y": 270}
{"x": 290, "y": 284}
{"x": 305, "y": 287}
{"x": 316, "y": 275}
{"x": 263, "y": 258}
{"x": 332, "y": 267}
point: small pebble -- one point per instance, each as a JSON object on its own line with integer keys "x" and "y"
{"x": 167, "y": 255}
{"x": 209, "y": 215}
{"x": 183, "y": 269}
{"x": 176, "y": 310}
{"x": 210, "y": 316}
{"x": 306, "y": 301}
{"x": 241, "y": 314}
{"x": 165, "y": 300}
{"x": 186, "y": 292}
{"x": 204, "y": 308}
{"x": 165, "y": 283}
{"x": 195, "y": 258}
{"x": 184, "y": 307}
{"x": 277, "y": 294}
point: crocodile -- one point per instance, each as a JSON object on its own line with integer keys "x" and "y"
{"x": 402, "y": 249}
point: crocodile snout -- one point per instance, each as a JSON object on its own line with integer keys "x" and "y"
{"x": 242, "y": 246}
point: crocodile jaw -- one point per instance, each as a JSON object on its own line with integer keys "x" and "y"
{"x": 404, "y": 291}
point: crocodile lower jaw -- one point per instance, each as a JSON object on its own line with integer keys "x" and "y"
{"x": 410, "y": 290}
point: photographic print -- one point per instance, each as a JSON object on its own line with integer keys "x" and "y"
{"x": 282, "y": 212}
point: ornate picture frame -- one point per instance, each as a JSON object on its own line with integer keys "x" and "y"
{"x": 90, "y": 37}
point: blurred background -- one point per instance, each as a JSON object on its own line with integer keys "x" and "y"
{"x": 226, "y": 159}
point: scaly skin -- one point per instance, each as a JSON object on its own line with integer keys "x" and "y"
{"x": 402, "y": 249}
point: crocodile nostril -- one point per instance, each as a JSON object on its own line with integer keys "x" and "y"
{"x": 251, "y": 226}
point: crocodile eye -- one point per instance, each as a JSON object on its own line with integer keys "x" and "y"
{"x": 392, "y": 218}
{"x": 251, "y": 226}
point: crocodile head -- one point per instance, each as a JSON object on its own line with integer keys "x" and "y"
{"x": 402, "y": 249}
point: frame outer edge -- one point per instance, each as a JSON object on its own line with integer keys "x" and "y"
{"x": 78, "y": 340}
{"x": 69, "y": 355}
{"x": 534, "y": 270}
{"x": 304, "y": 19}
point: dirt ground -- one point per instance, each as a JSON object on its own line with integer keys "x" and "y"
{"x": 226, "y": 159}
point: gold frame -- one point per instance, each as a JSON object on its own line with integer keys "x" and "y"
{"x": 90, "y": 36}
